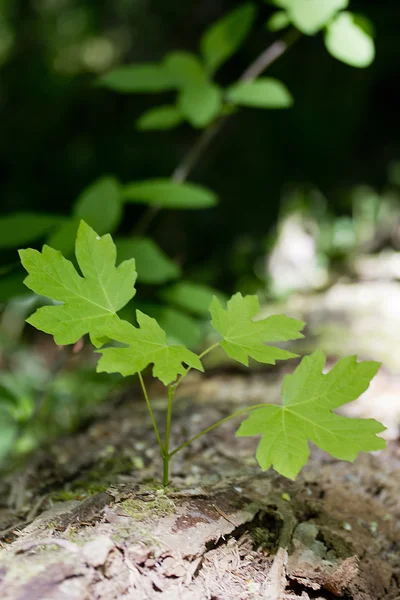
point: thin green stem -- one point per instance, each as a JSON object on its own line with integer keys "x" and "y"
{"x": 153, "y": 420}
{"x": 169, "y": 418}
{"x": 204, "y": 353}
{"x": 166, "y": 455}
{"x": 199, "y": 435}
{"x": 210, "y": 349}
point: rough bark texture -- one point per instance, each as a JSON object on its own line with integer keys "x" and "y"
{"x": 87, "y": 519}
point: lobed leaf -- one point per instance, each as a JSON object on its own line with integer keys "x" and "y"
{"x": 308, "y": 398}
{"x": 145, "y": 345}
{"x": 86, "y": 303}
{"x": 243, "y": 337}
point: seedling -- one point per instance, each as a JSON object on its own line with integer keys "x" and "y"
{"x": 88, "y": 303}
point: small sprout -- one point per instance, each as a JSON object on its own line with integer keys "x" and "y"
{"x": 285, "y": 496}
{"x": 88, "y": 303}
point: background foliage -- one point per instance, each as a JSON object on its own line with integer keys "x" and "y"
{"x": 61, "y": 132}
{"x": 70, "y": 140}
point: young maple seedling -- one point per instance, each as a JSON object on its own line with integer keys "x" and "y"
{"x": 88, "y": 304}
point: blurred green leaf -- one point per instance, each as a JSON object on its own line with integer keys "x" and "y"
{"x": 165, "y": 193}
{"x": 394, "y": 172}
{"x": 140, "y": 78}
{"x": 226, "y": 36}
{"x": 20, "y": 228}
{"x": 185, "y": 69}
{"x": 312, "y": 15}
{"x": 12, "y": 285}
{"x": 278, "y": 21}
{"x": 201, "y": 104}
{"x": 63, "y": 239}
{"x": 152, "y": 264}
{"x": 193, "y": 297}
{"x": 100, "y": 205}
{"x": 349, "y": 42}
{"x": 160, "y": 118}
{"x": 179, "y": 327}
{"x": 8, "y": 432}
{"x": 278, "y": 3}
{"x": 264, "y": 92}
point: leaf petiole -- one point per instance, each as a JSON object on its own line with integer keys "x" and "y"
{"x": 166, "y": 456}
{"x": 217, "y": 424}
{"x": 153, "y": 420}
{"x": 204, "y": 353}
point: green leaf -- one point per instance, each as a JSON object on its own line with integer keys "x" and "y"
{"x": 139, "y": 78}
{"x": 160, "y": 118}
{"x": 226, "y": 36}
{"x": 264, "y": 92}
{"x": 348, "y": 40}
{"x": 20, "y": 228}
{"x": 279, "y": 3}
{"x": 8, "y": 433}
{"x": 12, "y": 285}
{"x": 244, "y": 337}
{"x": 62, "y": 239}
{"x": 100, "y": 205}
{"x": 88, "y": 302}
{"x": 194, "y": 297}
{"x": 185, "y": 69}
{"x": 312, "y": 15}
{"x": 165, "y": 193}
{"x": 278, "y": 21}
{"x": 201, "y": 104}
{"x": 145, "y": 345}
{"x": 180, "y": 327}
{"x": 152, "y": 264}
{"x": 308, "y": 399}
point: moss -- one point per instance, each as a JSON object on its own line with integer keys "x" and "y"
{"x": 160, "y": 506}
{"x": 78, "y": 491}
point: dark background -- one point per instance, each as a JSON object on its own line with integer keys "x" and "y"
{"x": 59, "y": 131}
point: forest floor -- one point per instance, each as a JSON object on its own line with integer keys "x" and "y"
{"x": 86, "y": 518}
